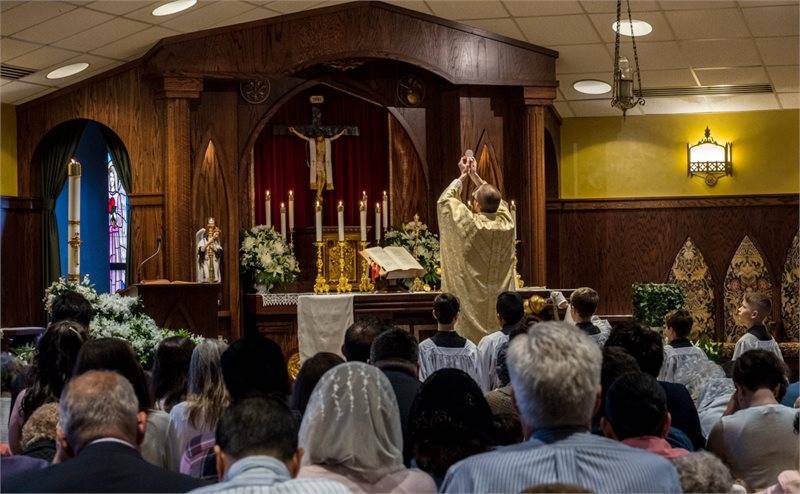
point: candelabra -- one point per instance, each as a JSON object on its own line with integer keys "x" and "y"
{"x": 344, "y": 283}
{"x": 366, "y": 284}
{"x": 321, "y": 285}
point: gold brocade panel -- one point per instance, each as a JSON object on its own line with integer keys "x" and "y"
{"x": 747, "y": 272}
{"x": 353, "y": 264}
{"x": 790, "y": 291}
{"x": 691, "y": 272}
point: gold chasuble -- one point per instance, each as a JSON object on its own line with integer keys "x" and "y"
{"x": 477, "y": 252}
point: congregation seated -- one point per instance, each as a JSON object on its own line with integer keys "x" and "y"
{"x": 752, "y": 313}
{"x": 555, "y": 373}
{"x": 308, "y": 376}
{"x": 446, "y": 349}
{"x": 508, "y": 428}
{"x": 13, "y": 376}
{"x": 170, "y": 370}
{"x": 39, "y": 433}
{"x": 509, "y": 314}
{"x": 701, "y": 471}
{"x": 757, "y": 437}
{"x": 359, "y": 336}
{"x": 351, "y": 433}
{"x": 100, "y": 428}
{"x": 681, "y": 357}
{"x": 582, "y": 306}
{"x": 450, "y": 421}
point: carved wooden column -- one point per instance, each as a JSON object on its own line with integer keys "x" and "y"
{"x": 533, "y": 253}
{"x": 176, "y": 93}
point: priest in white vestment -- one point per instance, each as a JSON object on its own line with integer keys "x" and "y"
{"x": 477, "y": 251}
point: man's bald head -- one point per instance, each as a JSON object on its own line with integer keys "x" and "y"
{"x": 488, "y": 198}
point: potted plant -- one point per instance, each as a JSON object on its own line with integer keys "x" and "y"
{"x": 652, "y": 302}
{"x": 267, "y": 259}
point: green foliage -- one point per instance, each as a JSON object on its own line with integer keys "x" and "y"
{"x": 714, "y": 350}
{"x": 652, "y": 301}
{"x": 422, "y": 243}
{"x": 24, "y": 353}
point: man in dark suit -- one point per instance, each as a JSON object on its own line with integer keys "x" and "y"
{"x": 100, "y": 428}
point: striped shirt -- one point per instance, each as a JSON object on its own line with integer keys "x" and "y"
{"x": 487, "y": 359}
{"x": 267, "y": 475}
{"x": 593, "y": 462}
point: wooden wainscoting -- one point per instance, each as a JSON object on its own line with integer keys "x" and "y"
{"x": 21, "y": 262}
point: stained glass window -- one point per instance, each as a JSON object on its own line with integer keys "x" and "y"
{"x": 117, "y": 229}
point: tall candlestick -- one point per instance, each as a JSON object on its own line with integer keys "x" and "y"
{"x": 74, "y": 221}
{"x": 340, "y": 220}
{"x": 377, "y": 223}
{"x": 385, "y": 211}
{"x": 364, "y": 196}
{"x": 513, "y": 209}
{"x": 318, "y": 220}
{"x": 283, "y": 221}
{"x": 291, "y": 210}
{"x": 362, "y": 212}
{"x": 268, "y": 209}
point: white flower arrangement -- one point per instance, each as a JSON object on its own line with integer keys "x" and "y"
{"x": 267, "y": 258}
{"x": 422, "y": 244}
{"x": 116, "y": 316}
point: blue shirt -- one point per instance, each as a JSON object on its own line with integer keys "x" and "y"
{"x": 267, "y": 475}
{"x": 792, "y": 392}
{"x": 564, "y": 456}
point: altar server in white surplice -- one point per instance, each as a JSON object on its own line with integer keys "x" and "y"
{"x": 509, "y": 314}
{"x": 681, "y": 359}
{"x": 477, "y": 251}
{"x": 446, "y": 349}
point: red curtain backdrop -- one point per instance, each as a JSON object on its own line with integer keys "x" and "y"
{"x": 359, "y": 163}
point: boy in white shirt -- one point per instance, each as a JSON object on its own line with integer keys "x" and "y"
{"x": 754, "y": 309}
{"x": 446, "y": 348}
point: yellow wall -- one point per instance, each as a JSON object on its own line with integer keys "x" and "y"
{"x": 645, "y": 156}
{"x": 8, "y": 150}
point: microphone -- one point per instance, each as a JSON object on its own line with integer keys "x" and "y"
{"x": 141, "y": 264}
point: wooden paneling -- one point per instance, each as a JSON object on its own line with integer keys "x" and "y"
{"x": 409, "y": 189}
{"x": 21, "y": 262}
{"x": 609, "y": 245}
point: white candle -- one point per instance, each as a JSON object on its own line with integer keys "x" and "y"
{"x": 362, "y": 210}
{"x": 318, "y": 220}
{"x": 513, "y": 209}
{"x": 74, "y": 219}
{"x": 291, "y": 210}
{"x": 385, "y": 211}
{"x": 377, "y": 223}
{"x": 340, "y": 220}
{"x": 283, "y": 221}
{"x": 268, "y": 208}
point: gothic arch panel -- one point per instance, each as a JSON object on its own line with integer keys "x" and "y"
{"x": 209, "y": 198}
{"x": 691, "y": 272}
{"x": 790, "y": 291}
{"x": 747, "y": 272}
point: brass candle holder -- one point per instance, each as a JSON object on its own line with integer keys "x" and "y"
{"x": 366, "y": 284}
{"x": 344, "y": 285}
{"x": 321, "y": 284}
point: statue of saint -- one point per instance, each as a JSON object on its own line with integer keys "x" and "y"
{"x": 321, "y": 174}
{"x": 209, "y": 253}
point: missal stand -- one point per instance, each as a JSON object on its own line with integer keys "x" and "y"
{"x": 180, "y": 305}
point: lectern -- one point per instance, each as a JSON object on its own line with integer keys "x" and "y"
{"x": 180, "y": 305}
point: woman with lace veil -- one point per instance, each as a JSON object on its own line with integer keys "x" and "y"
{"x": 351, "y": 433}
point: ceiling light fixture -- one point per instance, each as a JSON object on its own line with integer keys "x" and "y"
{"x": 591, "y": 86}
{"x": 173, "y": 7}
{"x": 633, "y": 27}
{"x": 67, "y": 70}
{"x": 627, "y": 77}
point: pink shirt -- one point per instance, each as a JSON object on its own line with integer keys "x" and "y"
{"x": 656, "y": 445}
{"x": 407, "y": 480}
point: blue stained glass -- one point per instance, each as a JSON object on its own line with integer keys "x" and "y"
{"x": 117, "y": 228}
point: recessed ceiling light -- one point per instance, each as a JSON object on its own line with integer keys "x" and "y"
{"x": 173, "y": 7}
{"x": 591, "y": 86}
{"x": 68, "y": 70}
{"x": 640, "y": 28}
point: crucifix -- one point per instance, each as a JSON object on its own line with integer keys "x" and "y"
{"x": 319, "y": 138}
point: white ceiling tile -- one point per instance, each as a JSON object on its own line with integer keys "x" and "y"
{"x": 89, "y": 73}
{"x": 734, "y": 76}
{"x": 10, "y": 4}
{"x": 582, "y": 58}
{"x": 779, "y": 51}
{"x": 695, "y": 4}
{"x": 773, "y": 21}
{"x": 566, "y": 81}
{"x": 13, "y": 48}
{"x": 289, "y": 6}
{"x": 418, "y": 5}
{"x": 41, "y": 58}
{"x": 96, "y": 65}
{"x": 120, "y": 7}
{"x": 3, "y": 80}
{"x": 763, "y": 3}
{"x": 707, "y": 24}
{"x": 563, "y": 109}
{"x": 594, "y": 108}
{"x": 743, "y": 102}
{"x": 661, "y": 30}
{"x": 506, "y": 27}
{"x": 656, "y": 55}
{"x": 28, "y": 14}
{"x": 102, "y": 35}
{"x": 558, "y": 30}
{"x": 207, "y": 16}
{"x": 597, "y": 6}
{"x": 466, "y": 9}
{"x": 252, "y": 15}
{"x": 785, "y": 79}
{"x": 668, "y": 78}
{"x": 523, "y": 8}
{"x": 145, "y": 14}
{"x": 134, "y": 45}
{"x": 720, "y": 53}
{"x": 15, "y": 91}
{"x": 676, "y": 104}
{"x": 789, "y": 100}
{"x": 63, "y": 26}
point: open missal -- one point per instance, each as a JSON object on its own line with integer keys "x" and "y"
{"x": 394, "y": 262}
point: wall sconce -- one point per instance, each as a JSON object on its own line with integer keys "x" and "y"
{"x": 709, "y": 159}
